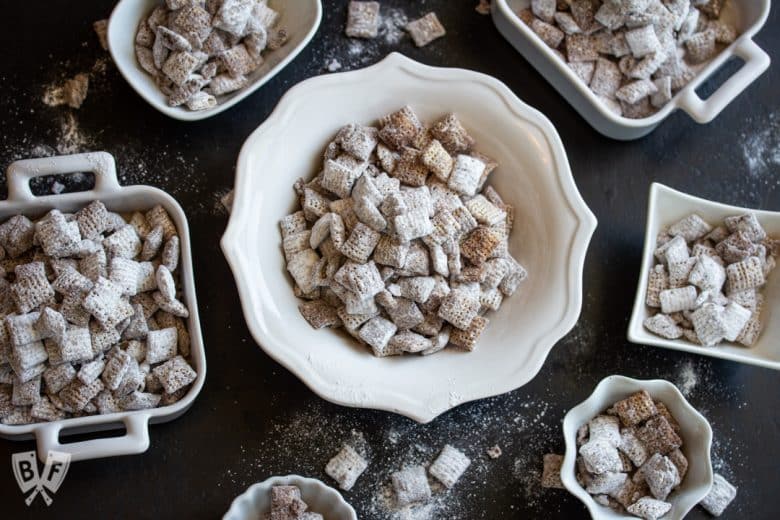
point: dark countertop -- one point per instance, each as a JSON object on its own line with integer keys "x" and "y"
{"x": 253, "y": 419}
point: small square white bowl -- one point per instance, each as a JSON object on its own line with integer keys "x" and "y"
{"x": 695, "y": 432}
{"x": 666, "y": 207}
{"x": 301, "y": 19}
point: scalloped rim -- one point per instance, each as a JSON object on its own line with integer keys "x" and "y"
{"x": 636, "y": 331}
{"x": 265, "y": 486}
{"x": 599, "y": 512}
{"x": 393, "y": 399}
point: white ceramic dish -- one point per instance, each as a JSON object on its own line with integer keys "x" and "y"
{"x": 695, "y": 433}
{"x": 117, "y": 198}
{"x": 666, "y": 207}
{"x": 551, "y": 236}
{"x": 320, "y": 498}
{"x": 748, "y": 16}
{"x": 301, "y": 18}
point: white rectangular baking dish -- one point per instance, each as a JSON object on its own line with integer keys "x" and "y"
{"x": 747, "y": 15}
{"x": 21, "y": 200}
{"x": 301, "y": 19}
{"x": 666, "y": 207}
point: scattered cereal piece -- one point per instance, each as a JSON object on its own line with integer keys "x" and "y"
{"x": 720, "y": 496}
{"x": 363, "y": 20}
{"x": 449, "y": 466}
{"x": 426, "y": 29}
{"x": 411, "y": 486}
{"x": 551, "y": 472}
{"x": 72, "y": 92}
{"x": 346, "y": 467}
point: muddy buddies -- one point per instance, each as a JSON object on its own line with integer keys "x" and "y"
{"x": 635, "y": 55}
{"x": 92, "y": 317}
{"x": 399, "y": 240}
{"x": 199, "y": 51}
{"x": 706, "y": 286}
{"x": 631, "y": 458}
{"x": 287, "y": 504}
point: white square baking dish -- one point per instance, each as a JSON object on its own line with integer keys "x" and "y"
{"x": 120, "y": 199}
{"x": 748, "y": 16}
{"x": 666, "y": 207}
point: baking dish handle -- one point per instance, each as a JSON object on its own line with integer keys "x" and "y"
{"x": 136, "y": 440}
{"x": 756, "y": 62}
{"x": 101, "y": 164}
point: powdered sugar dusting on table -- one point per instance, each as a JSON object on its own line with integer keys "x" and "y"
{"x": 338, "y": 52}
{"x": 761, "y": 149}
{"x": 687, "y": 378}
{"x": 311, "y": 435}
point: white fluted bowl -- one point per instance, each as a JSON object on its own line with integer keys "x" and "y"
{"x": 320, "y": 498}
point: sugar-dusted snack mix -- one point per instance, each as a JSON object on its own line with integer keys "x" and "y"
{"x": 410, "y": 486}
{"x": 198, "y": 51}
{"x": 426, "y": 29}
{"x": 346, "y": 466}
{"x": 630, "y": 457}
{"x": 363, "y": 20}
{"x": 87, "y": 326}
{"x": 634, "y": 55}
{"x": 287, "y": 504}
{"x": 720, "y": 496}
{"x": 399, "y": 240}
{"x": 551, "y": 471}
{"x": 449, "y": 466}
{"x": 707, "y": 281}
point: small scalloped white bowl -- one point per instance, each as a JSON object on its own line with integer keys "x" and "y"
{"x": 552, "y": 231}
{"x": 301, "y": 18}
{"x": 695, "y": 432}
{"x": 666, "y": 207}
{"x": 320, "y": 498}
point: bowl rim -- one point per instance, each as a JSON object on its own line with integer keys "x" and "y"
{"x": 291, "y": 479}
{"x": 574, "y": 416}
{"x": 183, "y": 114}
{"x": 384, "y": 398}
{"x": 636, "y": 332}
{"x": 680, "y": 100}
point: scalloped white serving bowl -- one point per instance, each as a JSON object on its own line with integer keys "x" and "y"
{"x": 301, "y": 18}
{"x": 695, "y": 432}
{"x": 553, "y": 227}
{"x": 320, "y": 498}
{"x": 666, "y": 207}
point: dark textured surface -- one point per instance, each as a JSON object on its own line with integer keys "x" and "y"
{"x": 253, "y": 419}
